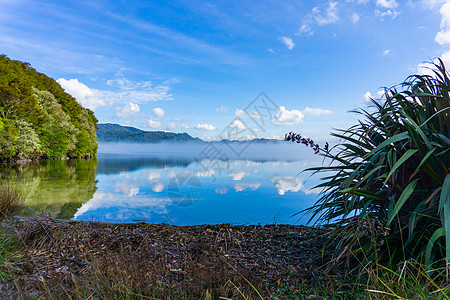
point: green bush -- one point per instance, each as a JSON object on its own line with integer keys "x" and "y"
{"x": 386, "y": 190}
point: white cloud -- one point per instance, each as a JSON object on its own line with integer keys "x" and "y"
{"x": 205, "y": 173}
{"x": 207, "y": 127}
{"x": 171, "y": 126}
{"x": 238, "y": 175}
{"x": 158, "y": 112}
{"x": 239, "y": 187}
{"x": 316, "y": 111}
{"x": 355, "y": 18}
{"x": 153, "y": 123}
{"x": 359, "y": 1}
{"x": 87, "y": 97}
{"x": 443, "y": 36}
{"x": 446, "y": 58}
{"x": 271, "y": 50}
{"x": 386, "y": 52}
{"x": 139, "y": 208}
{"x": 138, "y": 92}
{"x": 171, "y": 173}
{"x": 238, "y": 124}
{"x": 128, "y": 110}
{"x": 330, "y": 15}
{"x": 381, "y": 93}
{"x": 389, "y": 4}
{"x": 432, "y": 3}
{"x": 128, "y": 189}
{"x": 388, "y": 13}
{"x": 427, "y": 67}
{"x": 286, "y": 117}
{"x": 158, "y": 187}
{"x": 312, "y": 191}
{"x": 221, "y": 191}
{"x": 305, "y": 29}
{"x": 287, "y": 41}
{"x": 367, "y": 96}
{"x": 287, "y": 183}
{"x": 222, "y": 109}
{"x": 153, "y": 176}
{"x": 240, "y": 113}
{"x": 185, "y": 126}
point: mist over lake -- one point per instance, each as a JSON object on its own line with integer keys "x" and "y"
{"x": 250, "y": 150}
{"x": 175, "y": 183}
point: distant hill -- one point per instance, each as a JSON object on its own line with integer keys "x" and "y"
{"x": 114, "y": 133}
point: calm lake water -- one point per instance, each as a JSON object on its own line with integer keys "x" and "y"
{"x": 181, "y": 185}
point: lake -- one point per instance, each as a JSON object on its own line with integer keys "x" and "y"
{"x": 174, "y": 184}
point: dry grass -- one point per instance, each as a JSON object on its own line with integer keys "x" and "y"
{"x": 149, "y": 261}
{"x": 61, "y": 260}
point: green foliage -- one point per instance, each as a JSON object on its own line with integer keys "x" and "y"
{"x": 387, "y": 188}
{"x": 39, "y": 118}
{"x": 9, "y": 136}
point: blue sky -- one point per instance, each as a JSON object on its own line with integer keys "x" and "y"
{"x": 193, "y": 66}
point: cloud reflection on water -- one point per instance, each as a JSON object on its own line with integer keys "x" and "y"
{"x": 265, "y": 187}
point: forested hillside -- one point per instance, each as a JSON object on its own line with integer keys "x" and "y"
{"x": 114, "y": 133}
{"x": 38, "y": 119}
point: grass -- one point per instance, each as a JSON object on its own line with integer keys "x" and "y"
{"x": 8, "y": 255}
{"x": 412, "y": 280}
{"x": 12, "y": 200}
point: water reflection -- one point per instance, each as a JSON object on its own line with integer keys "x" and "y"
{"x": 155, "y": 188}
{"x": 57, "y": 188}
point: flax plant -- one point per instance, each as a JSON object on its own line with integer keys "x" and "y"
{"x": 386, "y": 189}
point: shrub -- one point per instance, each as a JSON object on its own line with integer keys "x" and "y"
{"x": 386, "y": 190}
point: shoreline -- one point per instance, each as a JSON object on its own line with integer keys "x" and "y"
{"x": 192, "y": 259}
{"x": 139, "y": 222}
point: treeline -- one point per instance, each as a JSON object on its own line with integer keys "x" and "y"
{"x": 114, "y": 133}
{"x": 38, "y": 119}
